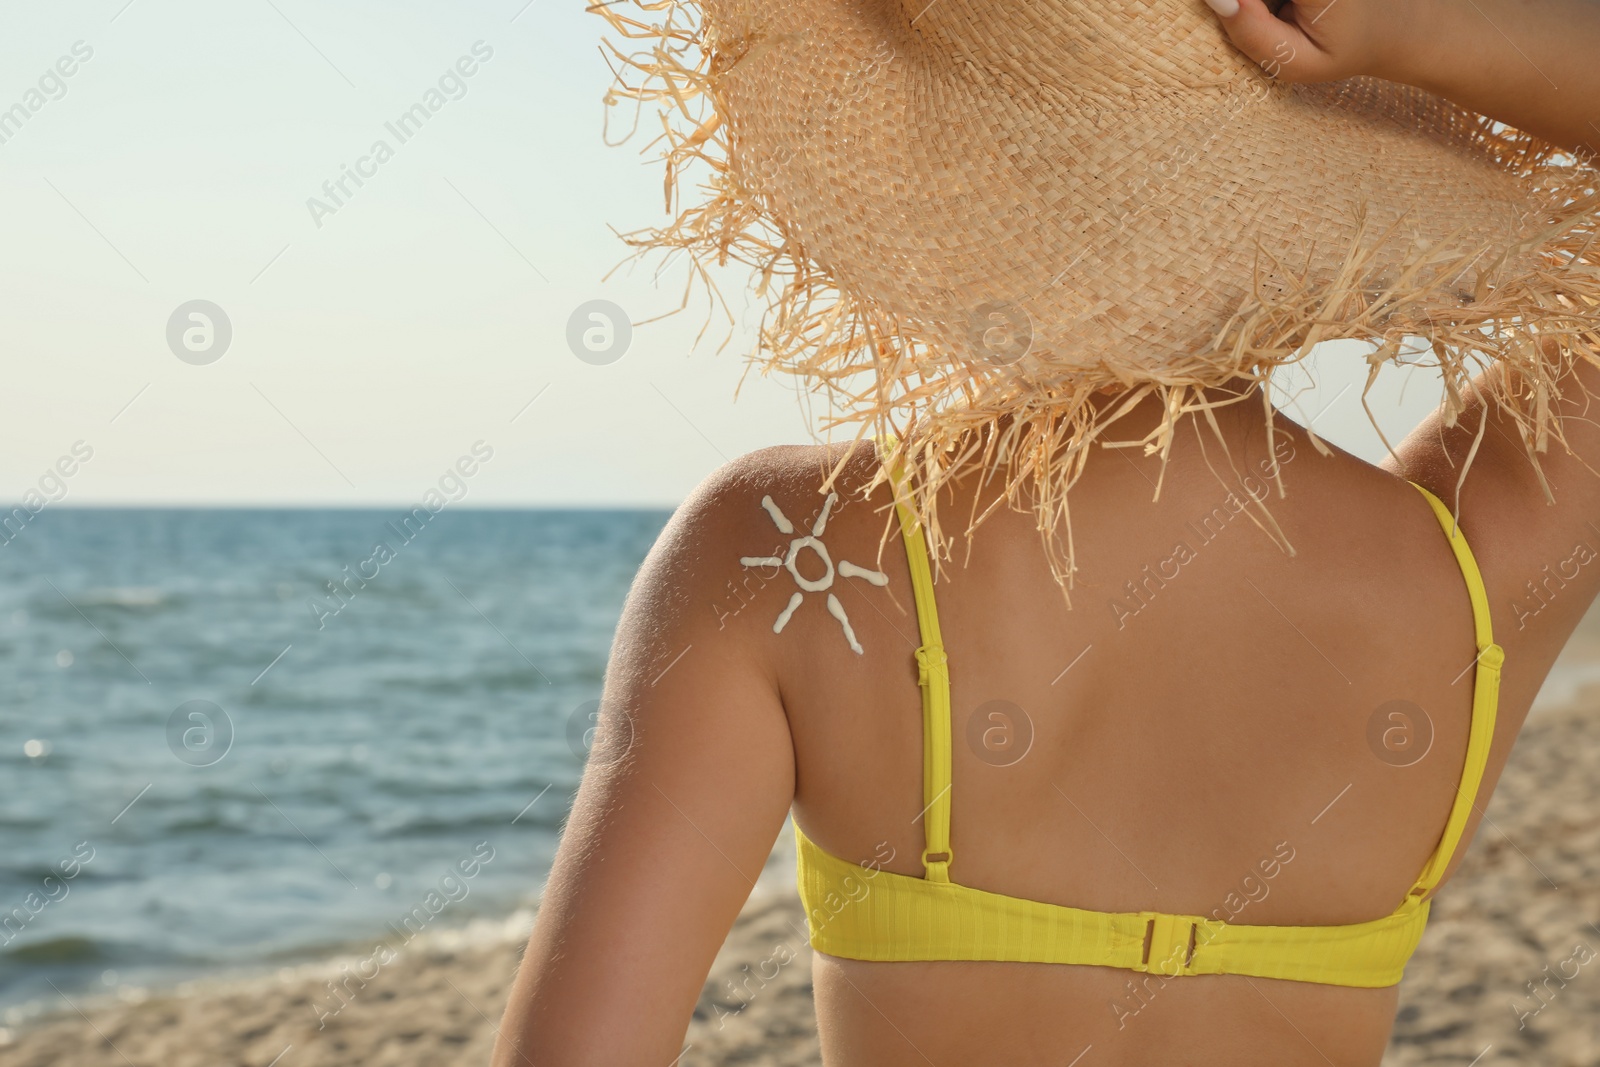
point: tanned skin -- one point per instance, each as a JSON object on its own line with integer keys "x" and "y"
{"x": 1182, "y": 738}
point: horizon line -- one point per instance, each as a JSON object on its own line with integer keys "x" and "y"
{"x": 7, "y": 508}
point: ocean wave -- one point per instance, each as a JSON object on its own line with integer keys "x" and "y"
{"x": 29, "y": 877}
{"x": 428, "y": 825}
{"x": 69, "y": 949}
{"x": 210, "y": 822}
{"x": 79, "y": 954}
{"x": 123, "y": 596}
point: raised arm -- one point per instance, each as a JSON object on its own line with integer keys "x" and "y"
{"x": 1528, "y": 63}
{"x": 1531, "y": 64}
{"x": 687, "y": 786}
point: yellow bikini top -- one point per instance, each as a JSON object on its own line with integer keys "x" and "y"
{"x": 868, "y": 914}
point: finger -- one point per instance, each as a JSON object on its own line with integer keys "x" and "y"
{"x": 1261, "y": 35}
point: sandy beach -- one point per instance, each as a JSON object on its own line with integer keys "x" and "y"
{"x": 1504, "y": 973}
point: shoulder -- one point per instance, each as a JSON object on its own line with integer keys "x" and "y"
{"x": 1529, "y": 527}
{"x": 739, "y": 498}
{"x": 744, "y": 510}
{"x": 787, "y": 469}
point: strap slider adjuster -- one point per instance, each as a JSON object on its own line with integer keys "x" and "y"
{"x": 932, "y": 662}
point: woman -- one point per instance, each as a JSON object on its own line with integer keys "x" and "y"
{"x": 1211, "y": 712}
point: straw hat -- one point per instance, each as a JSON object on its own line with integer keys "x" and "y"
{"x": 970, "y": 213}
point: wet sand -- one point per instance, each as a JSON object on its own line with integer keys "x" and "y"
{"x": 1508, "y": 972}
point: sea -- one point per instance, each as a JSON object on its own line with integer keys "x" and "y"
{"x": 244, "y": 738}
{"x": 236, "y": 740}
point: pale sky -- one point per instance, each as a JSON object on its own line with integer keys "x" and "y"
{"x": 421, "y": 316}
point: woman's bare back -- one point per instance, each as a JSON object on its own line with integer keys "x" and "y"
{"x": 1216, "y": 727}
{"x": 1212, "y": 727}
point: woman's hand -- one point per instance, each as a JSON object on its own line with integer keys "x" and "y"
{"x": 1527, "y": 63}
{"x": 1320, "y": 40}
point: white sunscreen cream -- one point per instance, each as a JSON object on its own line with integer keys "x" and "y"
{"x": 830, "y": 573}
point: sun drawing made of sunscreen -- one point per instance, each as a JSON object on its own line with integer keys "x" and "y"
{"x": 813, "y": 541}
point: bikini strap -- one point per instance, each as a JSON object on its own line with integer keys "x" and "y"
{"x": 933, "y": 677}
{"x": 1485, "y": 703}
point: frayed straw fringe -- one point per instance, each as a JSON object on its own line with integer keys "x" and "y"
{"x": 1533, "y": 311}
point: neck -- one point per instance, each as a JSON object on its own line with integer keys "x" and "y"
{"x": 1235, "y": 405}
{"x": 1236, "y": 410}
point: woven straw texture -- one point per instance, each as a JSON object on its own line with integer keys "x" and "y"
{"x": 968, "y": 216}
